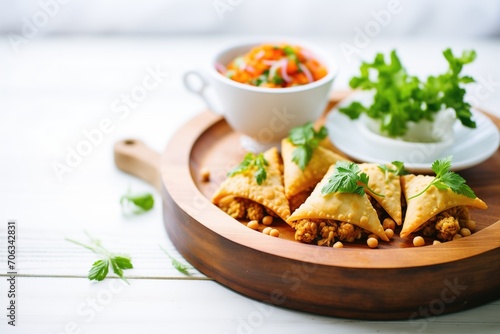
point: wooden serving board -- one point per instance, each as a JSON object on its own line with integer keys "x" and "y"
{"x": 395, "y": 281}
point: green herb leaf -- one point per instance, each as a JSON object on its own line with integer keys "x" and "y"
{"x": 400, "y": 98}
{"x": 252, "y": 161}
{"x": 288, "y": 50}
{"x": 137, "y": 203}
{"x": 446, "y": 179}
{"x": 302, "y": 155}
{"x": 398, "y": 171}
{"x": 100, "y": 268}
{"x": 277, "y": 80}
{"x": 123, "y": 262}
{"x": 306, "y": 138}
{"x": 347, "y": 178}
{"x": 182, "y": 268}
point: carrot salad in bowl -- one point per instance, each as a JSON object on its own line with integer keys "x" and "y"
{"x": 274, "y": 66}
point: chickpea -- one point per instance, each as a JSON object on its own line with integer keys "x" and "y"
{"x": 465, "y": 232}
{"x": 253, "y": 224}
{"x": 372, "y": 242}
{"x": 267, "y": 220}
{"x": 389, "y": 233}
{"x": 418, "y": 241}
{"x": 373, "y": 235}
{"x": 338, "y": 244}
{"x": 457, "y": 236}
{"x": 205, "y": 174}
{"x": 267, "y": 230}
{"x": 389, "y": 223}
{"x": 436, "y": 242}
{"x": 471, "y": 225}
{"x": 274, "y": 233}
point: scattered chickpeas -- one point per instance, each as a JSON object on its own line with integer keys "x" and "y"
{"x": 436, "y": 242}
{"x": 205, "y": 174}
{"x": 471, "y": 225}
{"x": 274, "y": 233}
{"x": 389, "y": 223}
{"x": 457, "y": 236}
{"x": 267, "y": 230}
{"x": 253, "y": 224}
{"x": 372, "y": 242}
{"x": 373, "y": 235}
{"x": 418, "y": 241}
{"x": 465, "y": 232}
{"x": 338, "y": 244}
{"x": 389, "y": 233}
{"x": 267, "y": 220}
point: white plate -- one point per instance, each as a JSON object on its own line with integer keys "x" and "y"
{"x": 470, "y": 146}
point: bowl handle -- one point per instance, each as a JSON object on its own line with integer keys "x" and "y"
{"x": 134, "y": 157}
{"x": 197, "y": 83}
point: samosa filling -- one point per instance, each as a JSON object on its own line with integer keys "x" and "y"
{"x": 243, "y": 208}
{"x": 381, "y": 213}
{"x": 448, "y": 223}
{"x": 326, "y": 231}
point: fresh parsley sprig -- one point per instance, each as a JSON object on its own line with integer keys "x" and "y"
{"x": 251, "y": 160}
{"x": 306, "y": 138}
{"x": 348, "y": 178}
{"x": 400, "y": 98}
{"x": 398, "y": 171}
{"x": 137, "y": 203}
{"x": 182, "y": 268}
{"x": 446, "y": 179}
{"x": 100, "y": 268}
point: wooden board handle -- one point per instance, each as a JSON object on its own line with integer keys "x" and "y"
{"x": 134, "y": 157}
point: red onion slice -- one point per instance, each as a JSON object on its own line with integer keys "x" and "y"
{"x": 284, "y": 74}
{"x": 259, "y": 54}
{"x": 221, "y": 68}
{"x": 306, "y": 72}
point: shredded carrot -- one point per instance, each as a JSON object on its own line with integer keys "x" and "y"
{"x": 274, "y": 66}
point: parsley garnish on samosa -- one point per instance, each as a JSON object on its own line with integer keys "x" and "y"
{"x": 306, "y": 138}
{"x": 347, "y": 178}
{"x": 249, "y": 162}
{"x": 446, "y": 179}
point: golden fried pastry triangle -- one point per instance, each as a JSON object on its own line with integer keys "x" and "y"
{"x": 297, "y": 180}
{"x": 433, "y": 201}
{"x": 270, "y": 194}
{"x": 385, "y": 184}
{"x": 345, "y": 207}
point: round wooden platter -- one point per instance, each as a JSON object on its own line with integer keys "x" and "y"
{"x": 394, "y": 281}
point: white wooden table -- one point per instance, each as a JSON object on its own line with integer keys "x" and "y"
{"x": 54, "y": 91}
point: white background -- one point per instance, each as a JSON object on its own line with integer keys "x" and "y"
{"x": 63, "y": 78}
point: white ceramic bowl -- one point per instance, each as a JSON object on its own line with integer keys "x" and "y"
{"x": 263, "y": 115}
{"x": 390, "y": 149}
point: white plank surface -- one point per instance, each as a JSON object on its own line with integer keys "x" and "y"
{"x": 57, "y": 88}
{"x": 177, "y": 306}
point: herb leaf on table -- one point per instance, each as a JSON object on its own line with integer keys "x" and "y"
{"x": 180, "y": 267}
{"x": 137, "y": 203}
{"x": 100, "y": 268}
